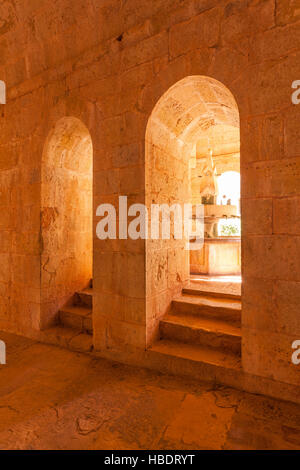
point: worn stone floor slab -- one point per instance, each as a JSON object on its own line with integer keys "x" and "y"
{"x": 51, "y": 398}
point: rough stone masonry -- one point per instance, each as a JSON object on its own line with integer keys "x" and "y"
{"x": 107, "y": 98}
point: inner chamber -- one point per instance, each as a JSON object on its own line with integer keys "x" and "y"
{"x": 215, "y": 183}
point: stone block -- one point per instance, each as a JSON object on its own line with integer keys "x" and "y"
{"x": 286, "y": 214}
{"x": 269, "y": 355}
{"x": 287, "y": 11}
{"x": 257, "y": 216}
{"x": 271, "y": 257}
{"x": 145, "y": 51}
{"x": 274, "y": 44}
{"x": 202, "y": 30}
{"x": 242, "y": 19}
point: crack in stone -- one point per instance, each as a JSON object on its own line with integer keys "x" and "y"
{"x": 9, "y": 407}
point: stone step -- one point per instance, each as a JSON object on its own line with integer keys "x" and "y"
{"x": 210, "y": 293}
{"x": 206, "y": 306}
{"x": 68, "y": 338}
{"x": 214, "y": 285}
{"x": 209, "y": 332}
{"x": 198, "y": 362}
{"x": 84, "y": 298}
{"x": 77, "y": 317}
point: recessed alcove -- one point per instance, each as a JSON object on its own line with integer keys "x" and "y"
{"x": 66, "y": 216}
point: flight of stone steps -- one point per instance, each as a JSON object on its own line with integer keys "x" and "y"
{"x": 201, "y": 335}
{"x": 79, "y": 315}
{"x": 74, "y": 329}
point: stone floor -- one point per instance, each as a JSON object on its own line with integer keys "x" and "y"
{"x": 51, "y": 398}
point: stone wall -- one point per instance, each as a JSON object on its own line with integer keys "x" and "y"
{"x": 108, "y": 63}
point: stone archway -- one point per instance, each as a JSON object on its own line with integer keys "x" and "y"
{"x": 66, "y": 216}
{"x": 180, "y": 118}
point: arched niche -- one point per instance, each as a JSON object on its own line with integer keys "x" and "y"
{"x": 66, "y": 215}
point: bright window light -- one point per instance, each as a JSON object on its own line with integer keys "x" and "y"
{"x": 229, "y": 227}
{"x": 229, "y": 184}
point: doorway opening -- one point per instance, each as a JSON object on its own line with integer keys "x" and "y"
{"x": 192, "y": 139}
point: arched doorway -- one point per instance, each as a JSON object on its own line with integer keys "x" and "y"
{"x": 66, "y": 216}
{"x": 195, "y": 113}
